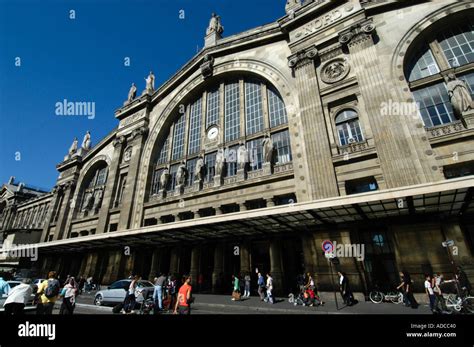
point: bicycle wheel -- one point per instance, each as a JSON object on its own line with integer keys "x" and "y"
{"x": 396, "y": 298}
{"x": 376, "y": 297}
{"x": 453, "y": 302}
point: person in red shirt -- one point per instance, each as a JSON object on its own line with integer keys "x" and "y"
{"x": 183, "y": 303}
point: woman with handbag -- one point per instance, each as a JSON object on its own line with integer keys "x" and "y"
{"x": 236, "y": 290}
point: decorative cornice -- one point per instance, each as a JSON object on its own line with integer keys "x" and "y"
{"x": 141, "y": 131}
{"x": 119, "y": 141}
{"x": 303, "y": 57}
{"x": 357, "y": 33}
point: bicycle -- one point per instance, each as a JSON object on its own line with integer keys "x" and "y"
{"x": 378, "y": 297}
{"x": 460, "y": 304}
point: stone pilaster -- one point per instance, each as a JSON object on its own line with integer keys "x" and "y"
{"x": 245, "y": 259}
{"x": 111, "y": 184}
{"x": 137, "y": 140}
{"x": 57, "y": 191}
{"x": 65, "y": 212}
{"x": 174, "y": 261}
{"x": 276, "y": 268}
{"x": 405, "y": 158}
{"x": 322, "y": 180}
{"x": 113, "y": 267}
{"x": 155, "y": 264}
{"x": 218, "y": 268}
{"x": 194, "y": 269}
{"x": 461, "y": 254}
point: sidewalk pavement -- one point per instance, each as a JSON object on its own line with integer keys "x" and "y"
{"x": 253, "y": 305}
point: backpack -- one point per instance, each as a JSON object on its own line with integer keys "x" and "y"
{"x": 52, "y": 289}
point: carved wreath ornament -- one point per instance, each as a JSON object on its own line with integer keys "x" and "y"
{"x": 335, "y": 70}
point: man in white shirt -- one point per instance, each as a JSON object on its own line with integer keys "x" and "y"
{"x": 270, "y": 288}
{"x": 18, "y": 297}
{"x": 429, "y": 292}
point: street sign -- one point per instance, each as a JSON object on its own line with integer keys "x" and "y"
{"x": 448, "y": 243}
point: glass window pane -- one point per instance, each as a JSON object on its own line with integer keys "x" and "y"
{"x": 422, "y": 64}
{"x": 281, "y": 141}
{"x": 195, "y": 127}
{"x": 232, "y": 111}
{"x": 212, "y": 107}
{"x": 253, "y": 108}
{"x": 178, "y": 138}
{"x": 255, "y": 150}
{"x": 457, "y": 43}
{"x": 210, "y": 162}
{"x": 230, "y": 155}
{"x": 191, "y": 166}
{"x": 435, "y": 107}
{"x": 163, "y": 154}
{"x": 276, "y": 108}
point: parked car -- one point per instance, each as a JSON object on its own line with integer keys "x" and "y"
{"x": 37, "y": 281}
{"x": 117, "y": 291}
{"x": 30, "y": 305}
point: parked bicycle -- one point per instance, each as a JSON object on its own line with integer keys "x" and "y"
{"x": 463, "y": 303}
{"x": 377, "y": 297}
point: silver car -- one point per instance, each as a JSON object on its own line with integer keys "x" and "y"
{"x": 117, "y": 291}
{"x": 30, "y": 305}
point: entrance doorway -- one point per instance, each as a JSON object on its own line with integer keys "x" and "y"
{"x": 379, "y": 263}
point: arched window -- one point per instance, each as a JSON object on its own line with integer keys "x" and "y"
{"x": 93, "y": 189}
{"x": 227, "y": 113}
{"x": 348, "y": 127}
{"x": 450, "y": 48}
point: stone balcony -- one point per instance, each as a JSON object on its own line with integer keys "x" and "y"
{"x": 445, "y": 129}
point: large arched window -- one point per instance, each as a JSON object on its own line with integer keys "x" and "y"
{"x": 93, "y": 188}
{"x": 450, "y": 49}
{"x": 348, "y": 127}
{"x": 225, "y": 114}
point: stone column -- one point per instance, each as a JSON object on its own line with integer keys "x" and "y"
{"x": 322, "y": 177}
{"x": 307, "y": 243}
{"x": 218, "y": 268}
{"x": 111, "y": 186}
{"x": 113, "y": 267}
{"x": 174, "y": 261}
{"x": 62, "y": 226}
{"x": 137, "y": 140}
{"x": 194, "y": 270}
{"x": 91, "y": 264}
{"x": 276, "y": 268}
{"x": 155, "y": 264}
{"x": 129, "y": 264}
{"x": 245, "y": 259}
{"x": 405, "y": 158}
{"x": 51, "y": 212}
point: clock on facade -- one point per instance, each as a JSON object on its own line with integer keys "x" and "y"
{"x": 212, "y": 133}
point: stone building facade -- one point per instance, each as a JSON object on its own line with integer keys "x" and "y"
{"x": 271, "y": 141}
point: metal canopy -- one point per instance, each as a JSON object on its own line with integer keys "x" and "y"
{"x": 447, "y": 198}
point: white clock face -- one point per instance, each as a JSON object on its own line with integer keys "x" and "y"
{"x": 212, "y": 133}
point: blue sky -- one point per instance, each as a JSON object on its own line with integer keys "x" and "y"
{"x": 82, "y": 59}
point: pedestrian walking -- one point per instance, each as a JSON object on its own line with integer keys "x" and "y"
{"x": 440, "y": 303}
{"x": 130, "y": 299}
{"x": 69, "y": 294}
{"x": 463, "y": 281}
{"x": 236, "y": 288}
{"x": 247, "y": 280}
{"x": 310, "y": 282}
{"x": 261, "y": 286}
{"x": 171, "y": 289}
{"x": 183, "y": 304}
{"x": 406, "y": 287}
{"x": 429, "y": 292}
{"x": 18, "y": 297}
{"x": 158, "y": 292}
{"x": 48, "y": 292}
{"x": 270, "y": 288}
{"x": 345, "y": 289}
